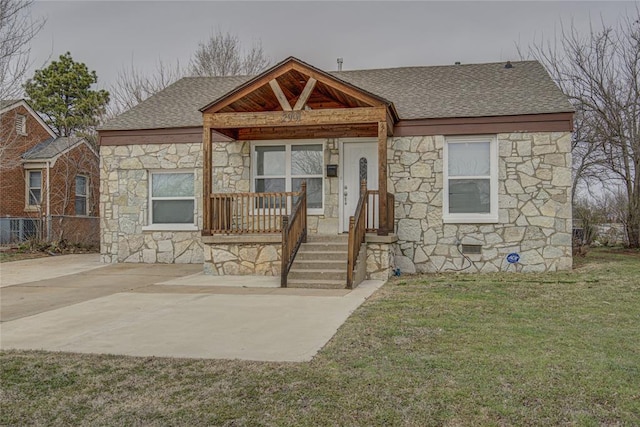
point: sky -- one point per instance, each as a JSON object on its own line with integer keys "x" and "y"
{"x": 110, "y": 36}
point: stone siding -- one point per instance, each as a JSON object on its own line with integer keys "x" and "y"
{"x": 380, "y": 260}
{"x": 260, "y": 259}
{"x": 534, "y": 206}
{"x": 124, "y": 201}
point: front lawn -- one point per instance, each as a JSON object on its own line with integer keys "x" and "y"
{"x": 447, "y": 349}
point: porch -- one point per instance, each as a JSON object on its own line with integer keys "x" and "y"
{"x": 284, "y": 158}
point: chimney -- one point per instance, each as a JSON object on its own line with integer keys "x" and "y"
{"x": 508, "y": 65}
{"x": 339, "y": 64}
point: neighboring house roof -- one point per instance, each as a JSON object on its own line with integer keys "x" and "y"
{"x": 54, "y": 147}
{"x": 473, "y": 90}
{"x": 10, "y": 104}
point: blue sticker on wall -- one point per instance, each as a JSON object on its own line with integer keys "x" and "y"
{"x": 513, "y": 258}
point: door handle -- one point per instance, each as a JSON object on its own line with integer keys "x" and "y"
{"x": 345, "y": 192}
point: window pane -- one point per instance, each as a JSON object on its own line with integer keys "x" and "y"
{"x": 172, "y": 185}
{"x": 81, "y": 185}
{"x": 271, "y": 160}
{"x": 173, "y": 211}
{"x": 469, "y": 196}
{"x": 81, "y": 205}
{"x": 34, "y": 196}
{"x": 35, "y": 179}
{"x": 306, "y": 159}
{"x": 469, "y": 159}
{"x": 314, "y": 191}
{"x": 269, "y": 185}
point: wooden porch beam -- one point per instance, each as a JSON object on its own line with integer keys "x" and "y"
{"x": 304, "y": 96}
{"x": 382, "y": 177}
{"x": 282, "y": 99}
{"x": 207, "y": 188}
{"x": 295, "y": 118}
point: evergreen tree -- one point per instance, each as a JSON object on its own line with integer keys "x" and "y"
{"x": 62, "y": 93}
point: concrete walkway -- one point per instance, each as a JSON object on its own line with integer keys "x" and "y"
{"x": 31, "y": 270}
{"x": 174, "y": 311}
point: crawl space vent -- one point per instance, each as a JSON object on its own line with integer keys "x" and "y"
{"x": 472, "y": 249}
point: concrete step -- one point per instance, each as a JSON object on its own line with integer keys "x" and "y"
{"x": 339, "y": 238}
{"x": 321, "y": 255}
{"x": 317, "y": 284}
{"x": 319, "y": 264}
{"x": 324, "y": 246}
{"x": 314, "y": 275}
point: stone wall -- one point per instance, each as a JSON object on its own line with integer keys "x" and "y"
{"x": 534, "y": 206}
{"x": 124, "y": 200}
{"x": 380, "y": 260}
{"x": 239, "y": 259}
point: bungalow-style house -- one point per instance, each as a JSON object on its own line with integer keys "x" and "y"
{"x": 49, "y": 184}
{"x": 332, "y": 177}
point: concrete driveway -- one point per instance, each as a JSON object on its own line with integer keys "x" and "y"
{"x": 172, "y": 311}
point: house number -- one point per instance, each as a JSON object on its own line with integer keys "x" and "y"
{"x": 291, "y": 116}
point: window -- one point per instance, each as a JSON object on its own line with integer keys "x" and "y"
{"x": 82, "y": 195}
{"x": 172, "y": 198}
{"x": 34, "y": 188}
{"x": 21, "y": 124}
{"x": 280, "y": 168}
{"x": 470, "y": 180}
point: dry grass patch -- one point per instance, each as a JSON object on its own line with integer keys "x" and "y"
{"x": 499, "y": 349}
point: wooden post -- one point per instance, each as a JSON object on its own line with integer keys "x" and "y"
{"x": 351, "y": 261}
{"x": 382, "y": 179}
{"x": 206, "y": 182}
{"x": 303, "y": 190}
{"x": 284, "y": 258}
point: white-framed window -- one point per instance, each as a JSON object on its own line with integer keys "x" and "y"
{"x": 34, "y": 188}
{"x": 21, "y": 124}
{"x": 470, "y": 168}
{"x": 282, "y": 166}
{"x": 171, "y": 199}
{"x": 82, "y": 195}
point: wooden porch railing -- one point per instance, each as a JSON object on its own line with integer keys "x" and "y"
{"x": 357, "y": 231}
{"x": 372, "y": 211}
{"x": 365, "y": 221}
{"x": 294, "y": 233}
{"x": 245, "y": 213}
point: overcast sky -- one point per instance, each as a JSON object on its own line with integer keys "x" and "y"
{"x": 108, "y": 36}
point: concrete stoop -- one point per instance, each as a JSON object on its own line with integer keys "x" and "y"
{"x": 321, "y": 263}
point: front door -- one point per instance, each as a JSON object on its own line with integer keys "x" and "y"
{"x": 359, "y": 162}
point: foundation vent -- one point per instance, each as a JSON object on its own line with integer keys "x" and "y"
{"x": 472, "y": 249}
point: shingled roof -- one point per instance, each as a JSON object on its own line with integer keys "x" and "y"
{"x": 52, "y": 147}
{"x": 473, "y": 90}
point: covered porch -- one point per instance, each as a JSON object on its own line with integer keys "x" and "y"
{"x": 294, "y": 152}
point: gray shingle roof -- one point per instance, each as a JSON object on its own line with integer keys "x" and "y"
{"x": 51, "y": 148}
{"x": 7, "y": 102}
{"x": 472, "y": 90}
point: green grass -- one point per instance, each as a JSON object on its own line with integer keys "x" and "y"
{"x": 446, "y": 349}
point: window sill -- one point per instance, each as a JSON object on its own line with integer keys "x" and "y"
{"x": 470, "y": 219}
{"x": 32, "y": 208}
{"x": 170, "y": 227}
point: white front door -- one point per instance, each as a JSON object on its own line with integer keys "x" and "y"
{"x": 359, "y": 162}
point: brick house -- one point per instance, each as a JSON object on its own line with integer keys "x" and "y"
{"x": 421, "y": 169}
{"x": 49, "y": 184}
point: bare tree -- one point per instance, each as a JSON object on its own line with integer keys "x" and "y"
{"x": 222, "y": 55}
{"x": 600, "y": 72}
{"x": 17, "y": 29}
{"x": 132, "y": 86}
